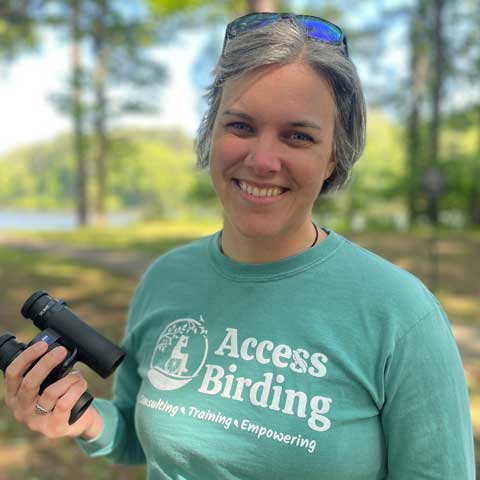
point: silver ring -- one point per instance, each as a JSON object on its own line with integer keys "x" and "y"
{"x": 39, "y": 410}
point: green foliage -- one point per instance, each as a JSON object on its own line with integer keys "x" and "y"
{"x": 147, "y": 172}
{"x": 459, "y": 163}
{"x": 150, "y": 174}
{"x": 18, "y": 31}
{"x": 39, "y": 177}
{"x": 167, "y": 7}
{"x": 380, "y": 172}
{"x": 202, "y": 192}
{"x": 173, "y": 7}
{"x": 377, "y": 179}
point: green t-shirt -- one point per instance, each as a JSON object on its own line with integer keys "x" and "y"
{"x": 331, "y": 364}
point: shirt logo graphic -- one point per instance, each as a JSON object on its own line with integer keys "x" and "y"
{"x": 179, "y": 355}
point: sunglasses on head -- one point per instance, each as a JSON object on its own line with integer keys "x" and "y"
{"x": 317, "y": 28}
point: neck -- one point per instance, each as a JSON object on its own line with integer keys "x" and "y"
{"x": 263, "y": 249}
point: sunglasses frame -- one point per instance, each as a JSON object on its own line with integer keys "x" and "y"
{"x": 275, "y": 17}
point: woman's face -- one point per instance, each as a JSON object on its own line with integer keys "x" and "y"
{"x": 272, "y": 149}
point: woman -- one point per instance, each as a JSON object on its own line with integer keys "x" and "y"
{"x": 274, "y": 348}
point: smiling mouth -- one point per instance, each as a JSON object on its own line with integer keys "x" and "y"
{"x": 259, "y": 192}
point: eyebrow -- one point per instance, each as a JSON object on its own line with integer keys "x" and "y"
{"x": 298, "y": 123}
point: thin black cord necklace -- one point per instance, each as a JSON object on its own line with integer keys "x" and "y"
{"x": 316, "y": 235}
{"x": 314, "y": 242}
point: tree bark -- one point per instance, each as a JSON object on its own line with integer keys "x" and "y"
{"x": 78, "y": 117}
{"x": 418, "y": 71}
{"x": 101, "y": 137}
{"x": 438, "y": 70}
{"x": 474, "y": 200}
{"x": 261, "y": 6}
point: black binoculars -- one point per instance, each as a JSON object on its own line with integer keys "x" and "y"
{"x": 61, "y": 327}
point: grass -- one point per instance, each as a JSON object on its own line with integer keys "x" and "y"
{"x": 99, "y": 297}
{"x": 150, "y": 237}
{"x": 102, "y": 298}
{"x": 459, "y": 254}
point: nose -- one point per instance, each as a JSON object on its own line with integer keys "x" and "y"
{"x": 263, "y": 157}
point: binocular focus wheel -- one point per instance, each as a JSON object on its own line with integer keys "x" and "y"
{"x": 80, "y": 407}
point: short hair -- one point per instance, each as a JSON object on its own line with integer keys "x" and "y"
{"x": 281, "y": 43}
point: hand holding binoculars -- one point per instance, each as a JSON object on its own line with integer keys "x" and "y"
{"x": 60, "y": 326}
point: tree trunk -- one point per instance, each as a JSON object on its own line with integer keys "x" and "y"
{"x": 261, "y": 6}
{"x": 438, "y": 70}
{"x": 78, "y": 117}
{"x": 418, "y": 71}
{"x": 474, "y": 200}
{"x": 101, "y": 138}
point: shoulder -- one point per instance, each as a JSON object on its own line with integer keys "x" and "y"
{"x": 179, "y": 264}
{"x": 389, "y": 290}
{"x": 187, "y": 256}
{"x": 167, "y": 274}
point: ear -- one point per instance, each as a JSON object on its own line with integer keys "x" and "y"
{"x": 332, "y": 162}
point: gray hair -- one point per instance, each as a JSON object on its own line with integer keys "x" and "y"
{"x": 282, "y": 43}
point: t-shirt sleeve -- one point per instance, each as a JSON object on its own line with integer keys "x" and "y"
{"x": 426, "y": 415}
{"x": 118, "y": 440}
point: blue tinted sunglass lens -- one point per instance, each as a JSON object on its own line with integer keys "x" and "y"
{"x": 316, "y": 28}
{"x": 322, "y": 31}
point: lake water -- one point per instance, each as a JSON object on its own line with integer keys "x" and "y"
{"x": 20, "y": 220}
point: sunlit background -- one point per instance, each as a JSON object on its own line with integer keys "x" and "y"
{"x": 99, "y": 104}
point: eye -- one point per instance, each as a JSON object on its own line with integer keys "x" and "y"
{"x": 241, "y": 128}
{"x": 244, "y": 129}
{"x": 301, "y": 137}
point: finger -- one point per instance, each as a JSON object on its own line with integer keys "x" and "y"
{"x": 16, "y": 370}
{"x": 31, "y": 382}
{"x": 61, "y": 412}
{"x": 53, "y": 392}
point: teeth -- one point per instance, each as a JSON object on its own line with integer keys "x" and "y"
{"x": 260, "y": 192}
